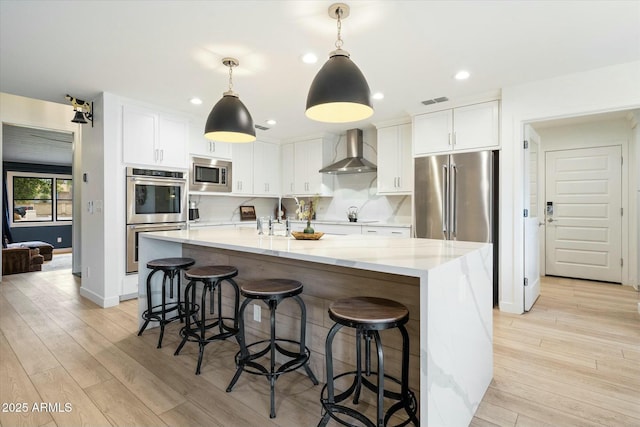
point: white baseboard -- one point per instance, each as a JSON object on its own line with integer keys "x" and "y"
{"x": 99, "y": 299}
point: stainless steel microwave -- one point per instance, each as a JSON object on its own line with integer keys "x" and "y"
{"x": 210, "y": 175}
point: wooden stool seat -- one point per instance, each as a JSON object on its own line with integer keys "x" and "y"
{"x": 171, "y": 268}
{"x": 269, "y": 288}
{"x": 211, "y": 272}
{"x": 171, "y": 263}
{"x": 379, "y": 313}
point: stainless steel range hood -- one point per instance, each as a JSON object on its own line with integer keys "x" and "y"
{"x": 355, "y": 161}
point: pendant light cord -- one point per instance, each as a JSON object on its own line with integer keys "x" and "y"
{"x": 339, "y": 42}
{"x": 230, "y": 77}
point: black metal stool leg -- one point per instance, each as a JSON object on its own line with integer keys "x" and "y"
{"x": 187, "y": 302}
{"x": 243, "y": 347}
{"x": 273, "y": 305}
{"x": 380, "y": 403}
{"x": 149, "y": 306}
{"x": 303, "y": 337}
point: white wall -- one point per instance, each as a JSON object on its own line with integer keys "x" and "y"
{"x": 605, "y": 89}
{"x": 21, "y": 111}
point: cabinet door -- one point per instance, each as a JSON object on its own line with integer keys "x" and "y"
{"x": 432, "y": 132}
{"x": 476, "y": 126}
{"x": 287, "y": 161}
{"x": 395, "y": 163}
{"x": 139, "y": 127}
{"x": 266, "y": 167}
{"x": 201, "y": 146}
{"x": 172, "y": 142}
{"x": 387, "y": 231}
{"x": 314, "y": 179}
{"x": 300, "y": 168}
{"x": 242, "y": 168}
{"x": 388, "y": 159}
{"x": 405, "y": 160}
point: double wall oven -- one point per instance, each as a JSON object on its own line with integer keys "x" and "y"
{"x": 156, "y": 201}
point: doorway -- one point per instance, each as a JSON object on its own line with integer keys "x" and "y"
{"x": 583, "y": 211}
{"x": 570, "y": 136}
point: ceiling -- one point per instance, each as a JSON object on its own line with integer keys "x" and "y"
{"x": 165, "y": 52}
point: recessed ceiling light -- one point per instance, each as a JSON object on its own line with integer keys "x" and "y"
{"x": 309, "y": 58}
{"x": 462, "y": 75}
{"x": 196, "y": 101}
{"x": 271, "y": 122}
{"x": 378, "y": 95}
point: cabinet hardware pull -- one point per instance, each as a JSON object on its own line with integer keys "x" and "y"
{"x": 449, "y": 138}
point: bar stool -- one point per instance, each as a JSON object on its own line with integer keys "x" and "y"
{"x": 195, "y": 330}
{"x": 171, "y": 268}
{"x": 272, "y": 292}
{"x": 368, "y": 315}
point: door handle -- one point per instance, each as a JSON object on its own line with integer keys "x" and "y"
{"x": 550, "y": 220}
{"x": 445, "y": 197}
{"x": 454, "y": 204}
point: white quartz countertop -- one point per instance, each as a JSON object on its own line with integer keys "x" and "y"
{"x": 368, "y": 222}
{"x": 410, "y": 257}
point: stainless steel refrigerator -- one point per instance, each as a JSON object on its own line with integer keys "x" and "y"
{"x": 456, "y": 199}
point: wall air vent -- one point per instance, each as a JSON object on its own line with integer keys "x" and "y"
{"x": 261, "y": 127}
{"x": 435, "y": 100}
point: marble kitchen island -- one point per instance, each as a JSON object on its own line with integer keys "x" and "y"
{"x": 446, "y": 285}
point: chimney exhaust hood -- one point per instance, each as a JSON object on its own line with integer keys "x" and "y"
{"x": 355, "y": 161}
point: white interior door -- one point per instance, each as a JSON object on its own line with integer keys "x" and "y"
{"x": 532, "y": 220}
{"x": 584, "y": 213}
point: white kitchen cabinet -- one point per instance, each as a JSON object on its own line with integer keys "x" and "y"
{"x": 308, "y": 160}
{"x": 287, "y": 175}
{"x": 242, "y": 168}
{"x": 395, "y": 163}
{"x": 256, "y": 168}
{"x": 153, "y": 139}
{"x": 471, "y": 127}
{"x": 201, "y": 146}
{"x": 386, "y": 231}
{"x": 266, "y": 168}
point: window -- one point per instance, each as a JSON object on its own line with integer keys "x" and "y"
{"x": 34, "y": 201}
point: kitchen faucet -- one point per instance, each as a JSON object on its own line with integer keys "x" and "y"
{"x": 280, "y": 197}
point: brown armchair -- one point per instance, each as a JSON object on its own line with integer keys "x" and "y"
{"x": 21, "y": 260}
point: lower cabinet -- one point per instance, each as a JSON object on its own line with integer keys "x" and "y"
{"x": 387, "y": 231}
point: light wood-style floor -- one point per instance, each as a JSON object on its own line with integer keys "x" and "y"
{"x": 574, "y": 360}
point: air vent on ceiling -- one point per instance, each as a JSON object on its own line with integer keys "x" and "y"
{"x": 435, "y": 100}
{"x": 261, "y": 127}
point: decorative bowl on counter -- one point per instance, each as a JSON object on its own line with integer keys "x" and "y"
{"x": 299, "y": 235}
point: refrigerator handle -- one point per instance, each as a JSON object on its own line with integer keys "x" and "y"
{"x": 445, "y": 197}
{"x": 454, "y": 202}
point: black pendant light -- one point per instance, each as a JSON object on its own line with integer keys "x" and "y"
{"x": 229, "y": 120}
{"x": 339, "y": 93}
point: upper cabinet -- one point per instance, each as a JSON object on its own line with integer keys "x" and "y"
{"x": 395, "y": 164}
{"x": 242, "y": 173}
{"x": 153, "y": 139}
{"x": 256, "y": 168}
{"x": 470, "y": 127}
{"x": 303, "y": 165}
{"x": 200, "y": 146}
{"x": 266, "y": 167}
{"x": 287, "y": 176}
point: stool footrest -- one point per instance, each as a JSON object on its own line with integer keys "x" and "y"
{"x": 192, "y": 336}
{"x": 246, "y": 361}
{"x": 407, "y": 402}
